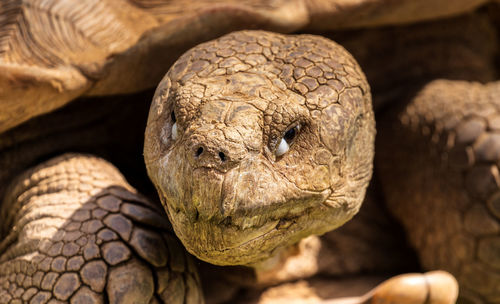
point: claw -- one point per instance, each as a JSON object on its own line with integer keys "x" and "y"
{"x": 435, "y": 287}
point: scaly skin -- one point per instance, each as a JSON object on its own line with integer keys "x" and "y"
{"x": 238, "y": 95}
{"x": 445, "y": 189}
{"x": 79, "y": 233}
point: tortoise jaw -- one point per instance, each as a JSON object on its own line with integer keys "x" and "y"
{"x": 243, "y": 216}
{"x": 226, "y": 243}
{"x": 247, "y": 235}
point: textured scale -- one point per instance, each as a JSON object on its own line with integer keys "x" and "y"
{"x": 79, "y": 233}
{"x": 445, "y": 190}
{"x": 237, "y": 96}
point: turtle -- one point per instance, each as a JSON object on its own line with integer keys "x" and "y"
{"x": 259, "y": 137}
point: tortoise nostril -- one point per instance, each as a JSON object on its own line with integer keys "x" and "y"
{"x": 199, "y": 151}
{"x": 222, "y": 156}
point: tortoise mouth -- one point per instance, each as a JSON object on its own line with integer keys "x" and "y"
{"x": 243, "y": 215}
{"x": 241, "y": 240}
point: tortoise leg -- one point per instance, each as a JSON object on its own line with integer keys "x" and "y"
{"x": 438, "y": 158}
{"x": 78, "y": 233}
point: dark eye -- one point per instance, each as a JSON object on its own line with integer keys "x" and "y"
{"x": 290, "y": 135}
{"x": 175, "y": 129}
{"x": 287, "y": 140}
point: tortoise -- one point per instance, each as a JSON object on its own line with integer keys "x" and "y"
{"x": 255, "y": 140}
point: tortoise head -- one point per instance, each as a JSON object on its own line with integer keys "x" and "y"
{"x": 256, "y": 140}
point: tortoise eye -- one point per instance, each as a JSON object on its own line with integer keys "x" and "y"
{"x": 175, "y": 131}
{"x": 291, "y": 134}
{"x": 287, "y": 140}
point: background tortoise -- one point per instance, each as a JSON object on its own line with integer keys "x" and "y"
{"x": 101, "y": 232}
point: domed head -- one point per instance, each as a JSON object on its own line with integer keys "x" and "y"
{"x": 256, "y": 140}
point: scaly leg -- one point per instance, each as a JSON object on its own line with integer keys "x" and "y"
{"x": 439, "y": 160}
{"x": 78, "y": 232}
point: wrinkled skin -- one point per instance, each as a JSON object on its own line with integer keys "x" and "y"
{"x": 230, "y": 197}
